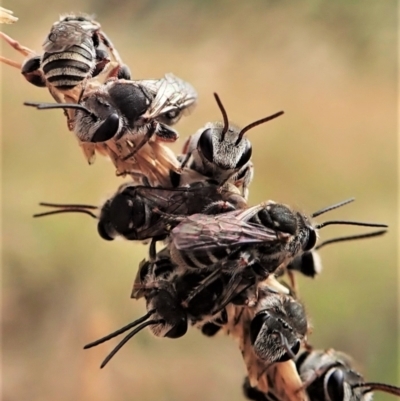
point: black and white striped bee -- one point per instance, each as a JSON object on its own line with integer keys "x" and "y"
{"x": 137, "y": 212}
{"x": 76, "y": 49}
{"x": 221, "y": 152}
{"x": 268, "y": 335}
{"x": 259, "y": 239}
{"x": 166, "y": 287}
{"x": 127, "y": 120}
{"x": 329, "y": 376}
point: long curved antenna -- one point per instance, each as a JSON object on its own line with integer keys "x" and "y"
{"x": 120, "y": 331}
{"x": 350, "y": 238}
{"x": 67, "y": 208}
{"x": 224, "y": 116}
{"x": 255, "y": 123}
{"x": 48, "y": 106}
{"x": 286, "y": 345}
{"x": 127, "y": 338}
{"x": 71, "y": 210}
{"x": 68, "y": 205}
{"x": 335, "y": 206}
{"x": 370, "y": 387}
{"x": 349, "y": 223}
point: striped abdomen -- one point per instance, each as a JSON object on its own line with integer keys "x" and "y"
{"x": 203, "y": 260}
{"x": 67, "y": 69}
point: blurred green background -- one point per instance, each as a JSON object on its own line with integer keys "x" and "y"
{"x": 331, "y": 66}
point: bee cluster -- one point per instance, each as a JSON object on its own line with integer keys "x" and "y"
{"x": 222, "y": 263}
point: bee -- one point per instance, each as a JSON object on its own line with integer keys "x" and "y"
{"x": 165, "y": 316}
{"x": 135, "y": 212}
{"x": 72, "y": 55}
{"x": 127, "y": 120}
{"x": 221, "y": 151}
{"x": 279, "y": 380}
{"x": 329, "y": 376}
{"x": 165, "y": 287}
{"x": 278, "y": 327}
{"x": 259, "y": 239}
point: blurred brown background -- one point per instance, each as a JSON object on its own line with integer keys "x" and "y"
{"x": 331, "y": 66}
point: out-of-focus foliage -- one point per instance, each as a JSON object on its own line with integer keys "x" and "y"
{"x": 330, "y": 65}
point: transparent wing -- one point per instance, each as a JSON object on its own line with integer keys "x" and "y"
{"x": 172, "y": 94}
{"x": 179, "y": 202}
{"x": 201, "y": 232}
{"x": 64, "y": 35}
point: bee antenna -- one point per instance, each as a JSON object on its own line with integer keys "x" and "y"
{"x": 335, "y": 206}
{"x": 127, "y": 338}
{"x": 47, "y": 106}
{"x": 387, "y": 388}
{"x": 349, "y": 223}
{"x": 120, "y": 331}
{"x": 224, "y": 116}
{"x": 286, "y": 345}
{"x": 255, "y": 123}
{"x": 350, "y": 238}
{"x": 67, "y": 208}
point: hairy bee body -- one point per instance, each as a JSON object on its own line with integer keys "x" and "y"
{"x": 65, "y": 70}
{"x": 268, "y": 379}
{"x": 328, "y": 375}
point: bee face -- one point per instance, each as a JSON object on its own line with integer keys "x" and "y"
{"x": 221, "y": 148}
{"x": 278, "y": 328}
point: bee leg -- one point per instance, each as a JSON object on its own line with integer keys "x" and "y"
{"x": 203, "y": 284}
{"x": 165, "y": 133}
{"x": 137, "y": 177}
{"x": 150, "y": 132}
{"x": 108, "y": 44}
{"x": 186, "y": 160}
{"x": 102, "y": 60}
{"x": 119, "y": 72}
{"x": 233, "y": 285}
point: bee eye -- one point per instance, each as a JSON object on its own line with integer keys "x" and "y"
{"x": 335, "y": 386}
{"x": 245, "y": 156}
{"x": 312, "y": 240}
{"x": 101, "y": 229}
{"x": 205, "y": 145}
{"x": 256, "y": 325}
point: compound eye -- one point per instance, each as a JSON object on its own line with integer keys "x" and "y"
{"x": 206, "y": 145}
{"x": 335, "y": 386}
{"x": 256, "y": 325}
{"x": 312, "y": 240}
{"x": 101, "y": 229}
{"x": 245, "y": 156}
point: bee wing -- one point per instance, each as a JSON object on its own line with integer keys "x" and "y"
{"x": 64, "y": 35}
{"x": 171, "y": 93}
{"x": 201, "y": 232}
